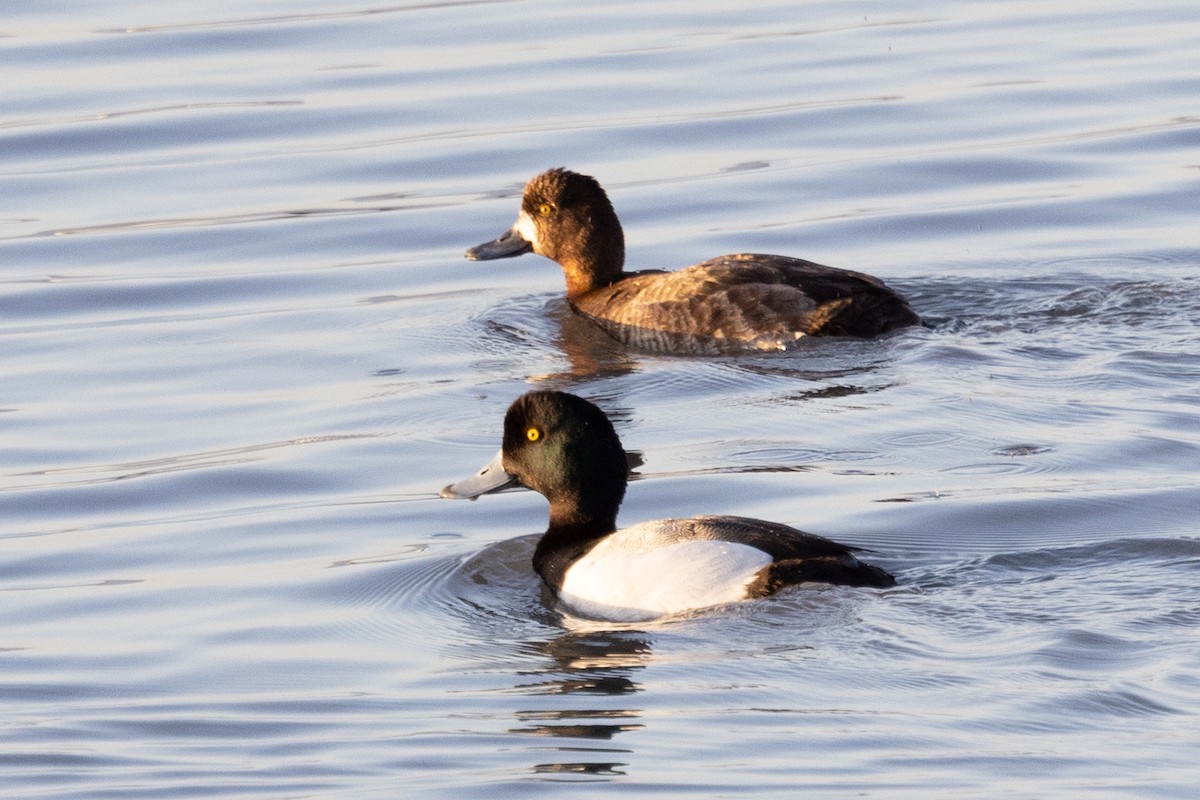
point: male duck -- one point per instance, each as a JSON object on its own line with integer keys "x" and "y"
{"x": 735, "y": 302}
{"x": 565, "y": 448}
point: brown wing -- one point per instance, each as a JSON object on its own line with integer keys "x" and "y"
{"x": 756, "y": 301}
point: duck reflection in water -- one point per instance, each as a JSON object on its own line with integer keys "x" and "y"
{"x": 590, "y": 664}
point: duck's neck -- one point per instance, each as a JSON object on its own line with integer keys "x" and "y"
{"x": 570, "y": 535}
{"x": 592, "y": 268}
{"x": 578, "y": 520}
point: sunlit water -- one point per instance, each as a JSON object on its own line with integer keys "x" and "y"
{"x": 241, "y": 352}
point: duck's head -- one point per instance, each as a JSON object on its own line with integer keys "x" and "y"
{"x": 562, "y": 447}
{"x": 568, "y": 218}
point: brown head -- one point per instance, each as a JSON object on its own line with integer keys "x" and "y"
{"x": 566, "y": 217}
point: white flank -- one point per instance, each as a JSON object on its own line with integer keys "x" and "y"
{"x": 624, "y": 583}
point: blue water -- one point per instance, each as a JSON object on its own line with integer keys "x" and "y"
{"x": 241, "y": 352}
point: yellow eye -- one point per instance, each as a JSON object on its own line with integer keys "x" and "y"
{"x": 533, "y": 434}
{"x": 544, "y": 209}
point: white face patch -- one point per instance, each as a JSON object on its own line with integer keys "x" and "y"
{"x": 526, "y": 227}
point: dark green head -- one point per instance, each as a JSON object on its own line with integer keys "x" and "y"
{"x": 564, "y": 448}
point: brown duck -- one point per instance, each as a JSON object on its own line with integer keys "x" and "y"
{"x": 735, "y": 302}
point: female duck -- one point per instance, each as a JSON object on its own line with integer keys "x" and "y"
{"x": 565, "y": 448}
{"x": 733, "y": 302}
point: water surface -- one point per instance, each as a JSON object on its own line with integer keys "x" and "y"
{"x": 242, "y": 351}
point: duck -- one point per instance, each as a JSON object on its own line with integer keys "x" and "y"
{"x": 737, "y": 302}
{"x": 565, "y": 448}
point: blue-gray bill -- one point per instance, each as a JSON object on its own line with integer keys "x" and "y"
{"x": 492, "y": 478}
{"x": 510, "y": 243}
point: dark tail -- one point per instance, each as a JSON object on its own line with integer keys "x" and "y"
{"x": 843, "y": 570}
